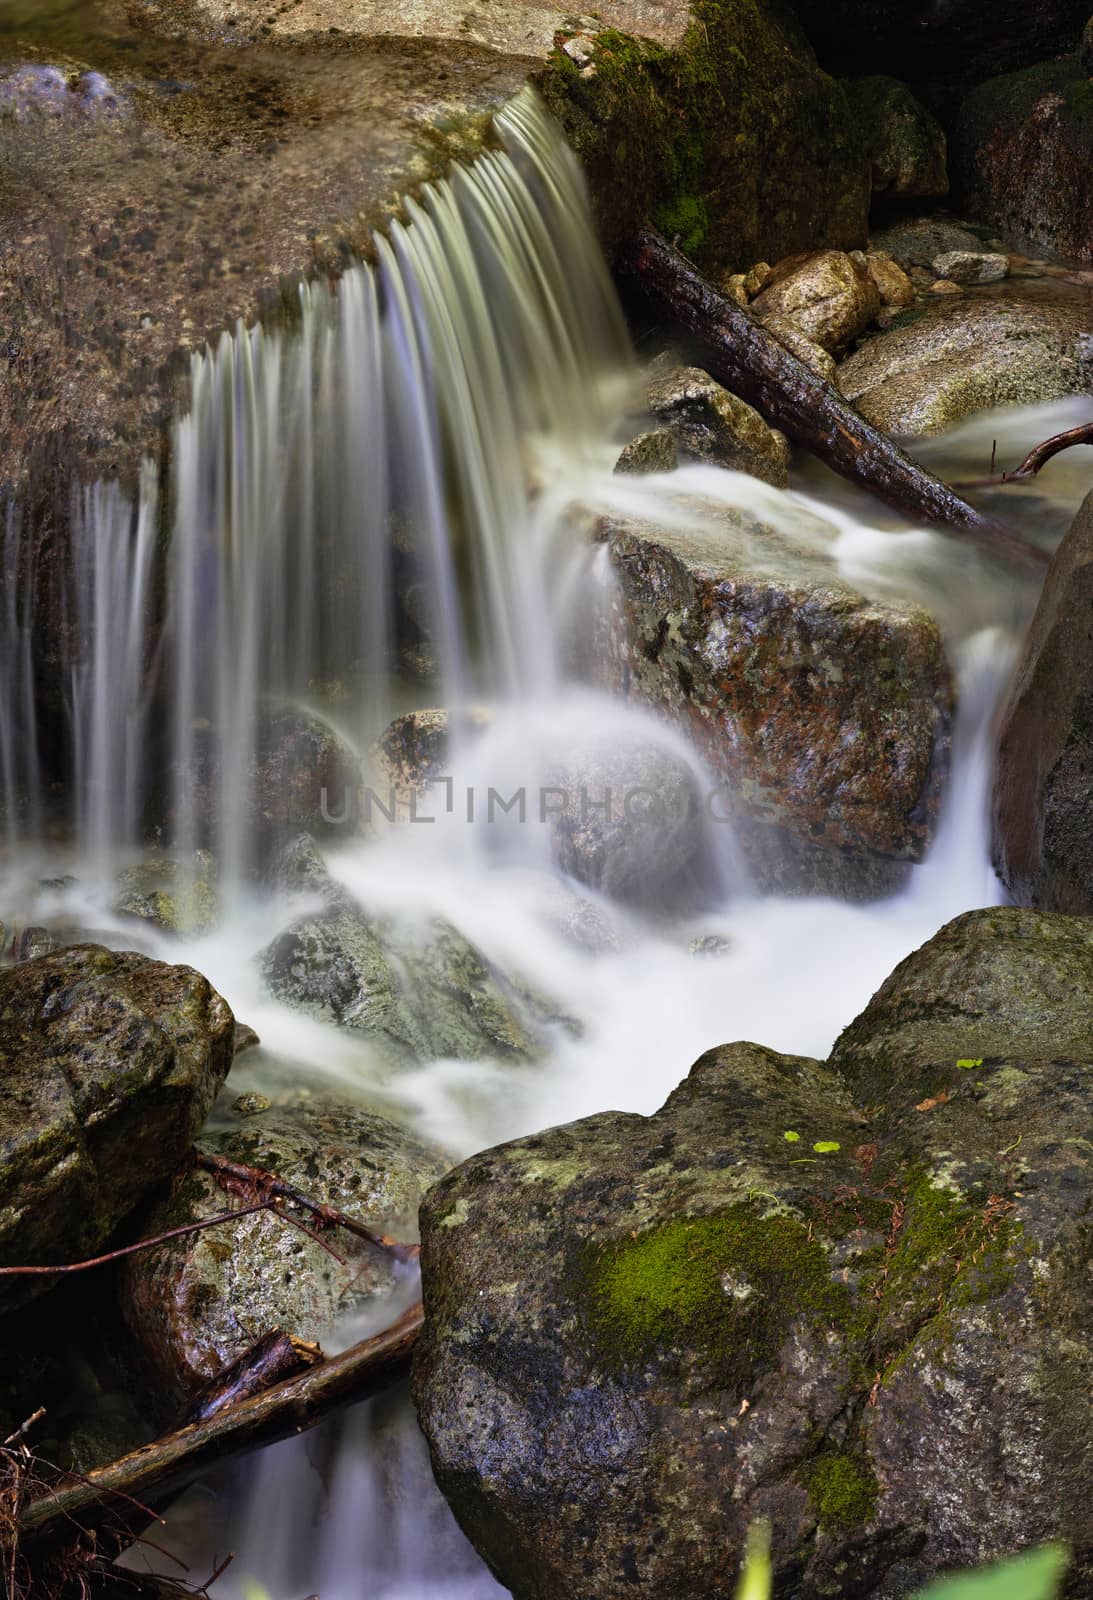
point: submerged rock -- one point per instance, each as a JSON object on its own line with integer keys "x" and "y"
{"x": 906, "y": 143}
{"x": 824, "y": 715}
{"x": 828, "y": 295}
{"x": 1001, "y": 345}
{"x": 763, "y": 1302}
{"x": 110, "y": 1065}
{"x": 1022, "y": 148}
{"x": 1043, "y": 789}
{"x": 197, "y": 1303}
{"x": 710, "y": 424}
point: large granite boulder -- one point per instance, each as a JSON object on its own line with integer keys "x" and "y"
{"x": 824, "y": 715}
{"x": 868, "y": 1326}
{"x": 198, "y": 1302}
{"x": 1001, "y": 344}
{"x": 110, "y": 1064}
{"x": 1043, "y": 791}
{"x": 1021, "y": 149}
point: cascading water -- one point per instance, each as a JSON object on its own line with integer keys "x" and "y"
{"x": 434, "y": 421}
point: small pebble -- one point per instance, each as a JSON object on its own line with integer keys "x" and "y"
{"x": 249, "y": 1105}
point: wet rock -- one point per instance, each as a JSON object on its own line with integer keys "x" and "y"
{"x": 760, "y": 1302}
{"x": 1009, "y": 344}
{"x": 945, "y": 286}
{"x": 415, "y": 750}
{"x": 783, "y": 677}
{"x": 627, "y": 819}
{"x": 301, "y": 774}
{"x": 906, "y": 143}
{"x": 197, "y": 1303}
{"x": 179, "y": 897}
{"x": 420, "y": 989}
{"x": 710, "y": 424}
{"x": 1043, "y": 791}
{"x": 828, "y": 295}
{"x": 971, "y": 266}
{"x": 110, "y": 1064}
{"x": 805, "y": 349}
{"x": 915, "y": 241}
{"x": 893, "y": 285}
{"x": 652, "y": 451}
{"x": 33, "y": 91}
{"x": 1021, "y": 152}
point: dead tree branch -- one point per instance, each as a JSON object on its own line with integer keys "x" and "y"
{"x": 739, "y": 352}
{"x": 1036, "y": 458}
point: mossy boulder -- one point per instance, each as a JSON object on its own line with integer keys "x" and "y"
{"x": 768, "y": 1300}
{"x": 730, "y": 137}
{"x": 781, "y": 675}
{"x": 1043, "y": 790}
{"x": 110, "y": 1064}
{"x": 197, "y": 1303}
{"x": 905, "y": 141}
{"x": 1021, "y": 152}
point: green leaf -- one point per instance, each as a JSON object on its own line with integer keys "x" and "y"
{"x": 755, "y": 1578}
{"x": 1035, "y": 1575}
{"x": 824, "y": 1147}
{"x": 968, "y": 1065}
{"x": 790, "y": 1137}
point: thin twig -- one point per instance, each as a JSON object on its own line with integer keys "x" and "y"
{"x": 1036, "y": 458}
{"x": 131, "y": 1249}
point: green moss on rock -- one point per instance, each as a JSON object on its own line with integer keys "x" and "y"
{"x": 723, "y": 1288}
{"x": 843, "y": 1490}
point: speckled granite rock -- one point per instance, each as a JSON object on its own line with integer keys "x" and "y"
{"x": 763, "y": 1302}
{"x": 1004, "y": 344}
{"x": 825, "y": 714}
{"x": 651, "y": 451}
{"x": 829, "y": 295}
{"x": 1043, "y": 788}
{"x": 197, "y": 1303}
{"x": 110, "y": 1064}
{"x": 710, "y": 424}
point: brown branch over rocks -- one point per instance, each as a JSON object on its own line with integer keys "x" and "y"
{"x": 1038, "y": 457}
{"x": 106, "y": 1495}
{"x": 740, "y": 353}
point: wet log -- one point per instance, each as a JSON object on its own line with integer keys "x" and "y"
{"x": 740, "y": 353}
{"x": 277, "y": 1355}
{"x": 116, "y": 1495}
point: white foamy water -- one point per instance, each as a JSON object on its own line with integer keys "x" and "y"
{"x": 412, "y": 407}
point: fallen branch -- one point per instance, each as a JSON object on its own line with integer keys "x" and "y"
{"x": 739, "y": 352}
{"x": 1036, "y": 458}
{"x": 132, "y": 1249}
{"x": 277, "y": 1355}
{"x": 105, "y": 1495}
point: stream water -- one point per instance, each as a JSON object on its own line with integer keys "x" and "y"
{"x": 483, "y": 353}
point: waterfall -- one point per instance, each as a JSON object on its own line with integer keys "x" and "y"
{"x": 384, "y": 438}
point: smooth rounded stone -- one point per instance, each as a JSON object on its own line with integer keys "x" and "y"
{"x": 915, "y": 241}
{"x": 710, "y": 424}
{"x": 971, "y": 266}
{"x": 1022, "y": 155}
{"x": 1010, "y": 344}
{"x": 945, "y": 286}
{"x": 813, "y": 355}
{"x": 414, "y": 751}
{"x": 905, "y": 142}
{"x": 627, "y": 819}
{"x": 197, "y": 1303}
{"x": 1043, "y": 786}
{"x": 763, "y": 1303}
{"x": 892, "y": 283}
{"x": 421, "y": 990}
{"x": 827, "y": 294}
{"x": 652, "y": 451}
{"x": 177, "y": 896}
{"x": 818, "y": 711}
{"x": 302, "y": 775}
{"x": 1002, "y": 982}
{"x": 110, "y": 1064}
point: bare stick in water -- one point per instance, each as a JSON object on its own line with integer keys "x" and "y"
{"x": 1036, "y": 458}
{"x": 739, "y": 352}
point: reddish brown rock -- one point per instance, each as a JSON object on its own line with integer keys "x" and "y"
{"x": 1043, "y": 795}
